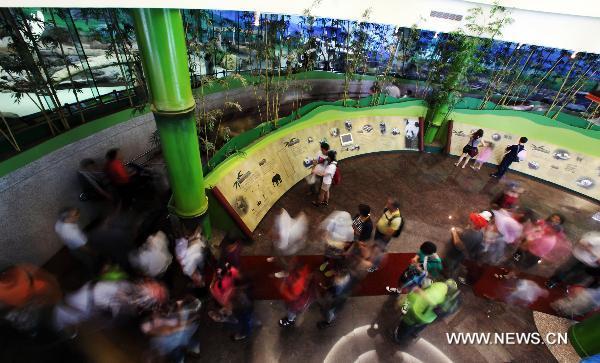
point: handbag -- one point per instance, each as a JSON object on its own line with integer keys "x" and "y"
{"x": 473, "y": 152}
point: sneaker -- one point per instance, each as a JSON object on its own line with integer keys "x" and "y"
{"x": 323, "y": 324}
{"x": 323, "y": 266}
{"x": 392, "y": 290}
{"x": 281, "y": 274}
{"x": 494, "y": 175}
{"x": 462, "y": 280}
{"x": 455, "y": 164}
{"x": 284, "y": 323}
{"x": 372, "y": 269}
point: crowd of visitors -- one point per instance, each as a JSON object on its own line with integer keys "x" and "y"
{"x": 159, "y": 272}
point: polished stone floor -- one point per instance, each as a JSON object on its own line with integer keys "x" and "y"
{"x": 435, "y": 196}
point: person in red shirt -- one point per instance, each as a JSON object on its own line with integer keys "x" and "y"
{"x": 297, "y": 294}
{"x": 119, "y": 176}
{"x": 115, "y": 169}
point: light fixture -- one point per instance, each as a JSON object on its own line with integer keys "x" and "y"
{"x": 256, "y": 18}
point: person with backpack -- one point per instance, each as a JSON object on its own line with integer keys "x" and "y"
{"x": 389, "y": 224}
{"x": 328, "y": 174}
{"x": 514, "y": 153}
{"x": 425, "y": 264}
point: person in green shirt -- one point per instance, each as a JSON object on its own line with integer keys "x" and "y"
{"x": 422, "y": 307}
{"x": 426, "y": 263}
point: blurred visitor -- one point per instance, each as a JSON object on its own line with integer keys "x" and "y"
{"x": 466, "y": 243}
{"x": 242, "y": 302}
{"x": 68, "y": 230}
{"x": 584, "y": 264}
{"x": 297, "y": 293}
{"x": 153, "y": 257}
{"x": 420, "y": 308}
{"x": 484, "y": 155}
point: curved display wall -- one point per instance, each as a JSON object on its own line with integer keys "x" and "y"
{"x": 563, "y": 155}
{"x": 249, "y": 183}
{"x": 252, "y": 181}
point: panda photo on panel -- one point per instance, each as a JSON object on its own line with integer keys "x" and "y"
{"x": 411, "y": 138}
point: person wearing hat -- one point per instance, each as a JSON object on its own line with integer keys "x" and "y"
{"x": 466, "y": 243}
{"x": 421, "y": 308}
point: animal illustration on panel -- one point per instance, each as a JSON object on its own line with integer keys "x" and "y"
{"x": 276, "y": 180}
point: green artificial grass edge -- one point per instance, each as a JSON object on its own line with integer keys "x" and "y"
{"x": 66, "y": 138}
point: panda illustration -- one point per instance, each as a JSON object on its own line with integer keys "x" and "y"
{"x": 411, "y": 138}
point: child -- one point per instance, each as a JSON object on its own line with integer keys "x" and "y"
{"x": 484, "y": 156}
{"x": 426, "y": 263}
{"x": 509, "y": 199}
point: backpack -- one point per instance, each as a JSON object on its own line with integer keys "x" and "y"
{"x": 337, "y": 177}
{"x": 399, "y": 230}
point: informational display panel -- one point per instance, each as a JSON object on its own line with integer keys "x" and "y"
{"x": 259, "y": 180}
{"x": 553, "y": 163}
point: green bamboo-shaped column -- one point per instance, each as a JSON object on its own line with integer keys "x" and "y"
{"x": 161, "y": 41}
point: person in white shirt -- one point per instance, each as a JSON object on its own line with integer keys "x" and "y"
{"x": 319, "y": 163}
{"x": 586, "y": 257}
{"x": 190, "y": 252}
{"x": 68, "y": 230}
{"x": 327, "y": 174}
{"x": 153, "y": 258}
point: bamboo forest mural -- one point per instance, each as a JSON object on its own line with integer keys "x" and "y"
{"x": 61, "y": 68}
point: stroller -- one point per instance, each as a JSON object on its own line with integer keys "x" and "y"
{"x": 96, "y": 186}
{"x": 94, "y": 183}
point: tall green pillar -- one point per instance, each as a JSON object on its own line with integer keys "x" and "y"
{"x": 161, "y": 41}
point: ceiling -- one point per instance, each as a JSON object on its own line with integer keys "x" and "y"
{"x": 553, "y": 23}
